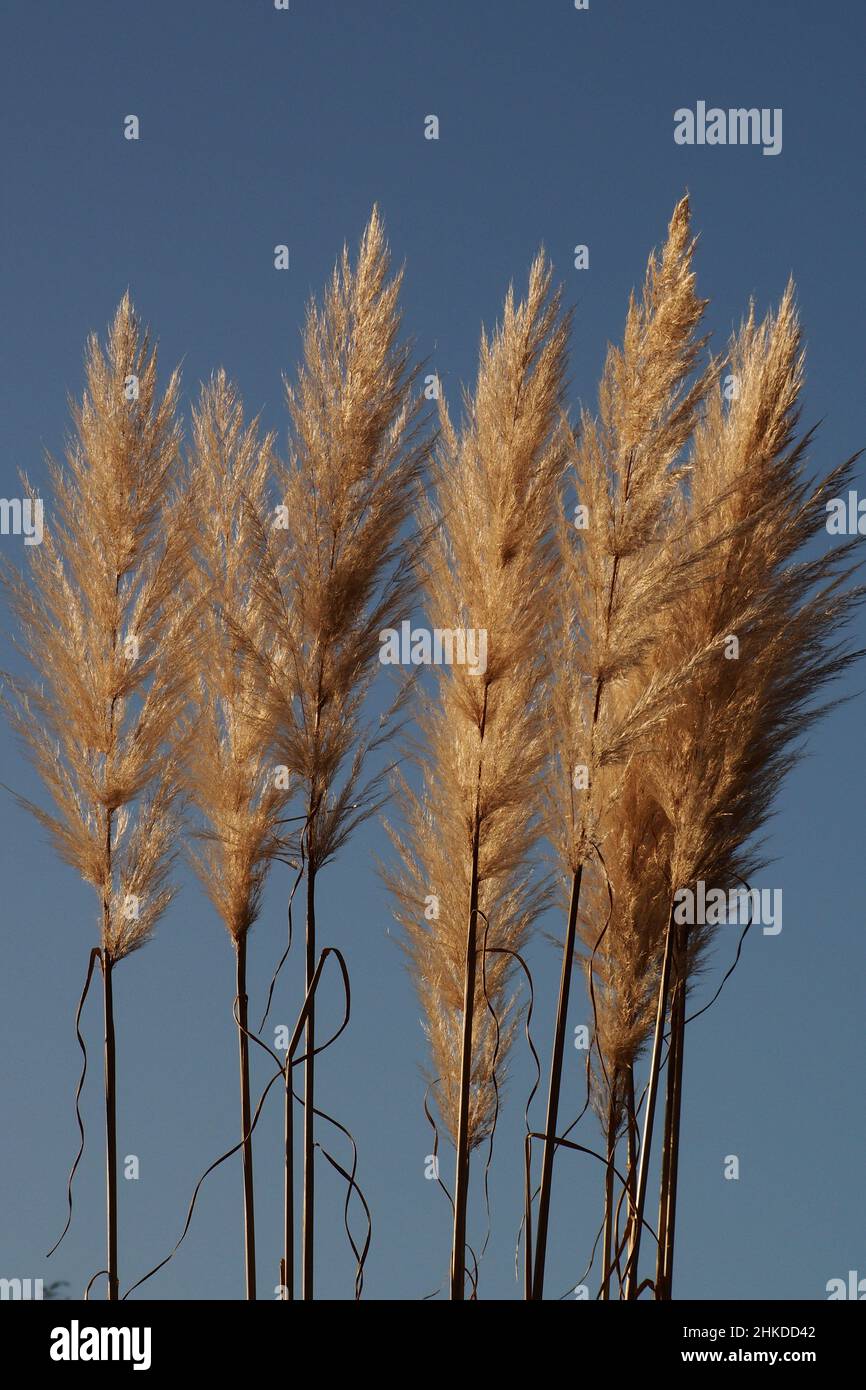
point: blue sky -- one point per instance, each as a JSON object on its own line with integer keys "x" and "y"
{"x": 260, "y": 127}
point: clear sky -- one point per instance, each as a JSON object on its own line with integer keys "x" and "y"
{"x": 260, "y": 127}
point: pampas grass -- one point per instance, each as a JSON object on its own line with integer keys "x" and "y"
{"x": 727, "y": 748}
{"x": 684, "y": 777}
{"x": 617, "y": 574}
{"x": 189, "y": 642}
{"x": 233, "y": 784}
{"x": 102, "y": 628}
{"x": 335, "y": 569}
{"x": 471, "y": 831}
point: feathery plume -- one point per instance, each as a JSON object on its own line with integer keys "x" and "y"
{"x": 336, "y": 568}
{"x": 101, "y": 626}
{"x": 617, "y": 574}
{"x": 238, "y": 793}
{"x": 472, "y": 830}
{"x": 725, "y": 751}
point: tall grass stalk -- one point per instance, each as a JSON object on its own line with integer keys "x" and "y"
{"x": 617, "y": 575}
{"x": 337, "y": 567}
{"x": 738, "y": 731}
{"x": 673, "y": 1109}
{"x": 233, "y": 783}
{"x": 102, "y": 628}
{"x": 465, "y": 870}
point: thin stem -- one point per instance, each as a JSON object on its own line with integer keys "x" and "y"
{"x": 652, "y": 1092}
{"x": 288, "y": 1263}
{"x": 555, "y": 1087}
{"x": 461, "y": 1185}
{"x": 461, "y": 1182}
{"x": 675, "y": 1087}
{"x": 608, "y": 1191}
{"x": 110, "y": 1127}
{"x": 527, "y": 1218}
{"x": 246, "y": 1135}
{"x": 631, "y": 1171}
{"x": 664, "y": 1180}
{"x": 309, "y": 1092}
